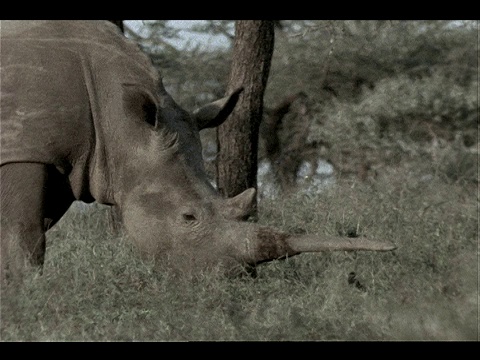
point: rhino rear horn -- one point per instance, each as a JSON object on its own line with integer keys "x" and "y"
{"x": 239, "y": 207}
{"x": 215, "y": 113}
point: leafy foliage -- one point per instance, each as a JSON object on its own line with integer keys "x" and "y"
{"x": 379, "y": 92}
{"x": 382, "y": 92}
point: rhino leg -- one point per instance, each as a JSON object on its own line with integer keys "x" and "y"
{"x": 22, "y": 217}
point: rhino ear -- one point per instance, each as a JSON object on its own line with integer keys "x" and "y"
{"x": 239, "y": 207}
{"x": 215, "y": 113}
{"x": 139, "y": 103}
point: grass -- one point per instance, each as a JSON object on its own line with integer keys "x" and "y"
{"x": 95, "y": 288}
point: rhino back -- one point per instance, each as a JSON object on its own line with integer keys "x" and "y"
{"x": 58, "y": 79}
{"x": 45, "y": 107}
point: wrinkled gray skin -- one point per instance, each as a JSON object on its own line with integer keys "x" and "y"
{"x": 85, "y": 117}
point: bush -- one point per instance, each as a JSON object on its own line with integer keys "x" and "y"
{"x": 430, "y": 121}
{"x": 415, "y": 106}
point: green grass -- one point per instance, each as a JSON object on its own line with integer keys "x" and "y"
{"x": 95, "y": 288}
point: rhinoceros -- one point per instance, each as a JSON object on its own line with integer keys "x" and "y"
{"x": 85, "y": 116}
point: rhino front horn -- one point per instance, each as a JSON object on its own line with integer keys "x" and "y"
{"x": 315, "y": 243}
{"x": 272, "y": 244}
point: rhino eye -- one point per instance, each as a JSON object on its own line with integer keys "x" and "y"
{"x": 189, "y": 217}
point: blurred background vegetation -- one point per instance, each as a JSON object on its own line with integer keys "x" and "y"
{"x": 376, "y": 95}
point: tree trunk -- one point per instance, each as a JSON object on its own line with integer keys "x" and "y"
{"x": 237, "y": 138}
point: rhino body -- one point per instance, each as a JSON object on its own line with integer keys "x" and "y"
{"x": 84, "y": 116}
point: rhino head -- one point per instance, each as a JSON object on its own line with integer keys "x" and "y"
{"x": 175, "y": 215}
